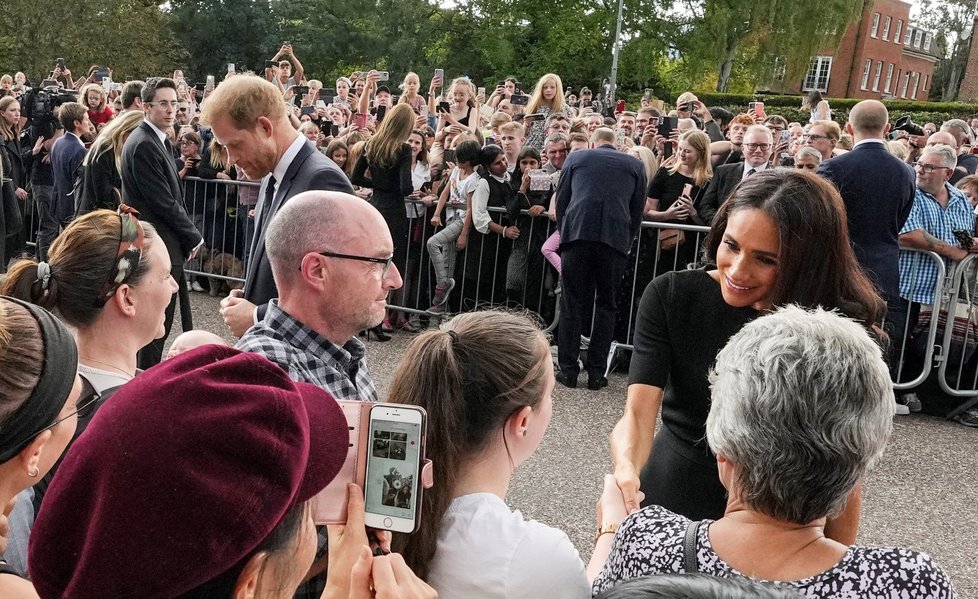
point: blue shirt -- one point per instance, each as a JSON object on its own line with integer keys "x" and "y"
{"x": 918, "y": 273}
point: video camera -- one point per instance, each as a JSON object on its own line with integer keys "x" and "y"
{"x": 905, "y": 124}
{"x": 40, "y": 106}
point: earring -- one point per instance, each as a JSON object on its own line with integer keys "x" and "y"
{"x": 524, "y": 432}
{"x": 34, "y": 473}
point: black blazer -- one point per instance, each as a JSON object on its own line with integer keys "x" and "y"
{"x": 151, "y": 185}
{"x": 101, "y": 185}
{"x": 725, "y": 178}
{"x": 310, "y": 169}
{"x": 878, "y": 190}
{"x": 601, "y": 197}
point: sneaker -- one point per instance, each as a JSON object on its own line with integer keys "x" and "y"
{"x": 196, "y": 286}
{"x": 911, "y": 401}
{"x": 967, "y": 418}
{"x": 441, "y": 292}
{"x": 902, "y": 410}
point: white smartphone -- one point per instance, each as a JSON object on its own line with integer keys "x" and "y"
{"x": 210, "y": 82}
{"x": 107, "y": 83}
{"x": 392, "y": 487}
{"x": 230, "y": 67}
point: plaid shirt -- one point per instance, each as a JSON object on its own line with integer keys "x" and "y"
{"x": 311, "y": 358}
{"x": 918, "y": 273}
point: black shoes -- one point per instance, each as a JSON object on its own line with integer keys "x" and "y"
{"x": 566, "y": 380}
{"x": 596, "y": 382}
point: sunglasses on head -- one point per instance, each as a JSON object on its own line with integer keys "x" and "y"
{"x": 131, "y": 237}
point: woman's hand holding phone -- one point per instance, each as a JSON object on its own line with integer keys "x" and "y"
{"x": 678, "y": 210}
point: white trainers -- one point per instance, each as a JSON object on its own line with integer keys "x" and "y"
{"x": 902, "y": 410}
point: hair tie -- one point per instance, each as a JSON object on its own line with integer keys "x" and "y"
{"x": 44, "y": 274}
{"x": 454, "y": 337}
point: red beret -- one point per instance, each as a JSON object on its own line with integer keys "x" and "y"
{"x": 181, "y": 475}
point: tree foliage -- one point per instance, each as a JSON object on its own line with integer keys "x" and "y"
{"x": 951, "y": 21}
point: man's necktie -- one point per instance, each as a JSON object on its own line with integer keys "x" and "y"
{"x": 266, "y": 204}
{"x": 750, "y": 172}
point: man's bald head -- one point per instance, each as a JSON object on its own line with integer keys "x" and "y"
{"x": 315, "y": 221}
{"x": 942, "y": 137}
{"x": 869, "y": 118}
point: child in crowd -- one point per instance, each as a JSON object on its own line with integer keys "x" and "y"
{"x": 410, "y": 95}
{"x": 457, "y": 195}
{"x": 462, "y": 110}
{"x": 189, "y": 340}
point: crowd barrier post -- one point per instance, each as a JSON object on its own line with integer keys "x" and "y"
{"x": 958, "y": 366}
{"x": 933, "y": 351}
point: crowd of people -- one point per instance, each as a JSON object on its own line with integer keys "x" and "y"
{"x": 797, "y": 296}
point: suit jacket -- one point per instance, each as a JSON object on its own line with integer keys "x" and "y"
{"x": 309, "y": 170}
{"x": 725, "y": 178}
{"x": 600, "y": 197}
{"x": 66, "y": 154}
{"x": 878, "y": 190}
{"x": 151, "y": 185}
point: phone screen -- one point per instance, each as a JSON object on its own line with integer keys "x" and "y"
{"x": 393, "y": 470}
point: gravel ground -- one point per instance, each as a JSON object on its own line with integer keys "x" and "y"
{"x": 923, "y": 493}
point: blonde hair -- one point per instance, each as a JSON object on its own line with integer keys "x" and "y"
{"x": 499, "y": 118}
{"x": 469, "y": 87}
{"x": 384, "y": 147}
{"x": 403, "y": 85}
{"x": 699, "y": 141}
{"x": 219, "y": 155}
{"x": 513, "y": 127}
{"x": 113, "y": 137}
{"x": 648, "y": 159}
{"x": 556, "y": 105}
{"x": 897, "y": 149}
{"x": 97, "y": 88}
{"x": 832, "y": 129}
{"x": 243, "y": 99}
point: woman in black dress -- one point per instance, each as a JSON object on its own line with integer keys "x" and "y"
{"x": 387, "y": 157}
{"x": 101, "y": 185}
{"x": 781, "y": 238}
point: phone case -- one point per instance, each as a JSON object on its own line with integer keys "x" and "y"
{"x": 329, "y": 505}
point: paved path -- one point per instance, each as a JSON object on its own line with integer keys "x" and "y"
{"x": 923, "y": 494}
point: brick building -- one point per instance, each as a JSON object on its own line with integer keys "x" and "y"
{"x": 968, "y": 91}
{"x": 882, "y": 55}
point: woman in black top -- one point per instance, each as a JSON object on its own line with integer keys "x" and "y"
{"x": 101, "y": 182}
{"x": 18, "y": 158}
{"x": 387, "y": 156}
{"x": 525, "y": 271}
{"x": 781, "y": 238}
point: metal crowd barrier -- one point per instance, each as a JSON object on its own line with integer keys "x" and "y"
{"x": 482, "y": 272}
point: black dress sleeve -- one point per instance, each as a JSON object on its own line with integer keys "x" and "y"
{"x": 652, "y": 356}
{"x": 360, "y": 171}
{"x": 657, "y": 186}
{"x": 404, "y": 164}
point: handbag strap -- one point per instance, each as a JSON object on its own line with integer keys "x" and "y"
{"x": 689, "y": 547}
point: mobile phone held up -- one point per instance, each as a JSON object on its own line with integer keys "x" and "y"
{"x": 440, "y": 74}
{"x": 391, "y": 482}
{"x": 444, "y": 107}
{"x": 519, "y": 100}
{"x": 383, "y": 76}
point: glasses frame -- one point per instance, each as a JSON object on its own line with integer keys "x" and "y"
{"x": 82, "y": 410}
{"x": 758, "y": 146}
{"x": 387, "y": 262}
{"x": 929, "y": 168}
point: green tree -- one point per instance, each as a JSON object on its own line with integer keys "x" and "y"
{"x": 951, "y": 21}
{"x": 218, "y": 32}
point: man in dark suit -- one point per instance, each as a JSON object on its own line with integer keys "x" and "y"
{"x": 600, "y": 199}
{"x": 66, "y": 154}
{"x": 151, "y": 185}
{"x": 878, "y": 191}
{"x": 757, "y": 147}
{"x": 249, "y": 117}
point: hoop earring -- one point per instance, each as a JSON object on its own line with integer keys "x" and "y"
{"x": 34, "y": 473}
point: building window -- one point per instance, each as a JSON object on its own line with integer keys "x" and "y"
{"x": 906, "y": 38}
{"x": 886, "y": 29}
{"x": 889, "y": 78}
{"x": 869, "y": 65}
{"x": 926, "y": 42}
{"x": 916, "y": 85}
{"x": 923, "y": 87}
{"x": 876, "y": 76}
{"x": 899, "y": 30}
{"x": 916, "y": 38}
{"x": 906, "y": 84}
{"x": 876, "y": 25}
{"x": 818, "y": 74}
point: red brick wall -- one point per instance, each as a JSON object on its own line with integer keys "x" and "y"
{"x": 968, "y": 92}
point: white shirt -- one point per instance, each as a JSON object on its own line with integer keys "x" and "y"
{"x": 480, "y": 202}
{"x": 286, "y": 161}
{"x": 870, "y": 140}
{"x": 485, "y": 550}
{"x": 748, "y": 168}
{"x": 159, "y": 132}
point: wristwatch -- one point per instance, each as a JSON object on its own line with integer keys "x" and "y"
{"x": 607, "y": 527}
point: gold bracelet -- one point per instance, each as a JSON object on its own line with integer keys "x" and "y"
{"x": 606, "y": 528}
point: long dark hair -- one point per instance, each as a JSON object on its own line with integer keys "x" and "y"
{"x": 487, "y": 155}
{"x": 817, "y": 264}
{"x": 470, "y": 377}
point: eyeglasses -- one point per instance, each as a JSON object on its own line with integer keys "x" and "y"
{"x": 814, "y": 137}
{"x": 188, "y": 142}
{"x": 130, "y": 249}
{"x": 387, "y": 262}
{"x": 165, "y": 103}
{"x": 929, "y": 168}
{"x": 758, "y": 146}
